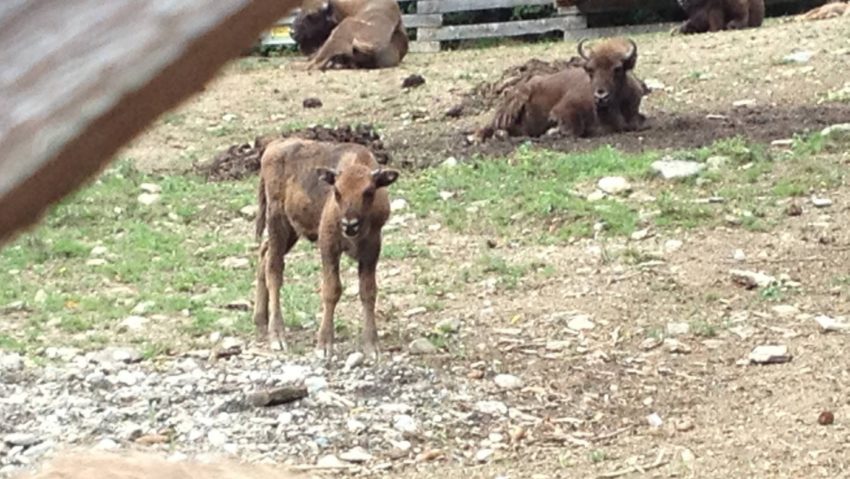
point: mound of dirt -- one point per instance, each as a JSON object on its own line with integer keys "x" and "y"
{"x": 486, "y": 94}
{"x": 239, "y": 161}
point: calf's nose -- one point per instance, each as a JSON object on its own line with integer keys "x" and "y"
{"x": 601, "y": 94}
{"x": 350, "y": 227}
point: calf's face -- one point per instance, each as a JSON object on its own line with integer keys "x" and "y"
{"x": 607, "y": 66}
{"x": 354, "y": 191}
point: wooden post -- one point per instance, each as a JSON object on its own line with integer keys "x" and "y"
{"x": 426, "y": 35}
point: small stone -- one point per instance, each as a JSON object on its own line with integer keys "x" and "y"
{"x": 23, "y": 439}
{"x": 448, "y": 325}
{"x": 228, "y": 117}
{"x": 413, "y": 81}
{"x": 398, "y": 204}
{"x": 232, "y": 262}
{"x": 134, "y": 323}
{"x": 216, "y": 438}
{"x": 415, "y": 311}
{"x": 614, "y": 185}
{"x": 717, "y": 162}
{"x": 672, "y": 245}
{"x": 455, "y": 111}
{"x": 492, "y": 408}
{"x": 446, "y": 195}
{"x": 126, "y": 378}
{"x": 782, "y": 143}
{"x": 150, "y": 188}
{"x": 557, "y": 345}
{"x": 841, "y": 130}
{"x": 798, "y": 57}
{"x": 422, "y": 346}
{"x": 596, "y": 196}
{"x": 483, "y": 455}
{"x": 331, "y": 462}
{"x": 650, "y": 343}
{"x": 429, "y": 455}
{"x": 684, "y": 425}
{"x": 580, "y": 323}
{"x": 688, "y": 456}
{"x": 11, "y": 362}
{"x": 739, "y": 255}
{"x": 147, "y": 199}
{"x": 751, "y": 279}
{"x": 785, "y": 310}
{"x": 508, "y": 381}
{"x": 404, "y": 423}
{"x": 311, "y": 102}
{"x": 828, "y": 324}
{"x": 315, "y": 384}
{"x": 676, "y": 346}
{"x": 250, "y": 211}
{"x": 356, "y": 455}
{"x": 654, "y": 84}
{"x": 98, "y": 251}
{"x": 826, "y": 418}
{"x": 107, "y": 444}
{"x": 355, "y": 426}
{"x": 794, "y": 209}
{"x": 654, "y": 420}
{"x": 821, "y": 202}
{"x": 748, "y": 103}
{"x": 770, "y": 355}
{"x": 675, "y": 169}
{"x": 640, "y": 235}
{"x": 119, "y": 355}
{"x": 450, "y": 162}
{"x": 354, "y": 360}
{"x": 678, "y": 329}
{"x": 40, "y": 297}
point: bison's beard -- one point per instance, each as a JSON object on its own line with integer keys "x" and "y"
{"x": 310, "y": 30}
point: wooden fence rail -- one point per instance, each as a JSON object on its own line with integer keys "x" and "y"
{"x": 571, "y": 21}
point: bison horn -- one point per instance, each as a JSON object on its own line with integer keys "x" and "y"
{"x": 581, "y": 48}
{"x": 632, "y": 53}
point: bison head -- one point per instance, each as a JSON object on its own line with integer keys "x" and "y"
{"x": 311, "y": 28}
{"x": 355, "y": 188}
{"x": 607, "y": 65}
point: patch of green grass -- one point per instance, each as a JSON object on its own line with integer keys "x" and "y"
{"x": 10, "y": 344}
{"x": 403, "y": 249}
{"x": 508, "y": 274}
{"x": 597, "y": 455}
{"x": 703, "y": 329}
{"x": 675, "y": 212}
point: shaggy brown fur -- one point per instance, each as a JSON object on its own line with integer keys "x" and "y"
{"x": 352, "y": 34}
{"x": 715, "y": 15}
{"x": 88, "y": 465}
{"x": 331, "y": 193}
{"x": 598, "y": 90}
{"x": 830, "y": 10}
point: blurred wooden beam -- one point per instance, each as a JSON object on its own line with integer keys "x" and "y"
{"x": 82, "y": 78}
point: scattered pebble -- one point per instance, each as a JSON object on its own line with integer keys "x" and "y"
{"x": 770, "y": 355}
{"x": 148, "y": 199}
{"x": 580, "y": 323}
{"x": 826, "y": 418}
{"x": 508, "y": 381}
{"x": 422, "y": 346}
{"x": 312, "y": 103}
{"x": 821, "y": 202}
{"x": 483, "y": 455}
{"x": 150, "y": 188}
{"x": 747, "y": 103}
{"x": 654, "y": 420}
{"x": 678, "y": 329}
{"x": 676, "y": 169}
{"x": 356, "y": 455}
{"x": 828, "y": 324}
{"x": 798, "y": 57}
{"x": 232, "y": 262}
{"x": 398, "y": 204}
{"x": 614, "y": 185}
{"x": 751, "y": 279}
{"x": 413, "y": 81}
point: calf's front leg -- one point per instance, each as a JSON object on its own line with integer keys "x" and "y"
{"x": 367, "y": 270}
{"x": 331, "y": 292}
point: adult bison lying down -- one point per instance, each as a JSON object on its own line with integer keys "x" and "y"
{"x": 715, "y": 15}
{"x": 332, "y": 193}
{"x": 352, "y": 34}
{"x": 597, "y": 91}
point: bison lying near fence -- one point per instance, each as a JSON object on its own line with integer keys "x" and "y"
{"x": 598, "y": 90}
{"x": 715, "y": 15}
{"x": 830, "y": 10}
{"x": 352, "y": 34}
{"x": 331, "y": 193}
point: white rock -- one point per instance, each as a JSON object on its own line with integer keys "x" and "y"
{"x": 446, "y": 195}
{"x": 557, "y": 345}
{"x": 404, "y": 423}
{"x": 126, "y": 378}
{"x": 798, "y": 57}
{"x": 654, "y": 84}
{"x": 744, "y": 103}
{"x": 483, "y": 455}
{"x": 95, "y": 262}
{"x": 450, "y": 162}
{"x": 614, "y": 185}
{"x": 674, "y": 169}
{"x": 640, "y": 235}
{"x": 135, "y": 323}
{"x": 493, "y": 408}
{"x": 688, "y": 456}
{"x": 508, "y": 381}
{"x": 355, "y": 426}
{"x": 331, "y": 462}
{"x": 672, "y": 245}
{"x": 596, "y": 196}
{"x": 216, "y": 438}
{"x": 828, "y": 324}
{"x": 11, "y": 362}
{"x": 98, "y": 251}
{"x": 422, "y": 346}
{"x": 143, "y": 307}
{"x": 40, "y": 297}
{"x": 771, "y": 354}
{"x": 678, "y": 329}
{"x": 249, "y": 211}
{"x": 785, "y": 310}
{"x": 821, "y": 202}
{"x": 284, "y": 418}
{"x": 398, "y": 204}
{"x": 23, "y": 439}
{"x": 783, "y": 143}
{"x": 840, "y": 130}
{"x": 739, "y": 255}
{"x": 654, "y": 420}
{"x": 150, "y": 188}
{"x": 580, "y": 322}
{"x": 235, "y": 263}
{"x": 315, "y": 384}
{"x": 752, "y": 279}
{"x": 356, "y": 455}
{"x": 415, "y": 311}
{"x": 676, "y": 346}
{"x": 147, "y": 199}
{"x": 107, "y": 444}
{"x": 354, "y": 360}
{"x": 448, "y": 325}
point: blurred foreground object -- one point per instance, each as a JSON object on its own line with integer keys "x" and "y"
{"x": 80, "y": 79}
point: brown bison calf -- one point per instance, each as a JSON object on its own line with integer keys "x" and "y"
{"x": 715, "y": 15}
{"x": 333, "y": 194}
{"x": 598, "y": 90}
{"x": 352, "y": 34}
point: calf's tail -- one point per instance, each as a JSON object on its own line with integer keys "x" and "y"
{"x": 262, "y": 201}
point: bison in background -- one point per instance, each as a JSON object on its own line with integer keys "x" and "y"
{"x": 597, "y": 91}
{"x": 715, "y": 15}
{"x": 351, "y": 34}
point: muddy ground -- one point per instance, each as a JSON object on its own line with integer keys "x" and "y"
{"x": 593, "y": 389}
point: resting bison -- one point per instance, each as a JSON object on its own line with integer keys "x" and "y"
{"x": 598, "y": 90}
{"x": 333, "y": 194}
{"x": 830, "y": 10}
{"x": 352, "y": 34}
{"x": 715, "y": 15}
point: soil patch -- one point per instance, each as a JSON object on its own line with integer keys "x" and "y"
{"x": 241, "y": 160}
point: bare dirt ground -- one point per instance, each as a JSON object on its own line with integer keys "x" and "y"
{"x": 594, "y": 388}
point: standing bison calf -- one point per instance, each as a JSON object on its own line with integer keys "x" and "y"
{"x": 715, "y": 15}
{"x": 352, "y": 34}
{"x": 333, "y": 194}
{"x": 598, "y": 91}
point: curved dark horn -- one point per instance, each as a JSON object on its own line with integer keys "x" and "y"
{"x": 633, "y": 52}
{"x": 581, "y": 48}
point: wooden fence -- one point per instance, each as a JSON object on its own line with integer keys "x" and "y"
{"x": 571, "y": 21}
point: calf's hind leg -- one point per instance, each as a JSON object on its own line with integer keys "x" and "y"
{"x": 282, "y": 237}
{"x": 261, "y": 295}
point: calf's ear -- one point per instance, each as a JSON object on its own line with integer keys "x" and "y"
{"x": 327, "y": 175}
{"x": 384, "y": 177}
